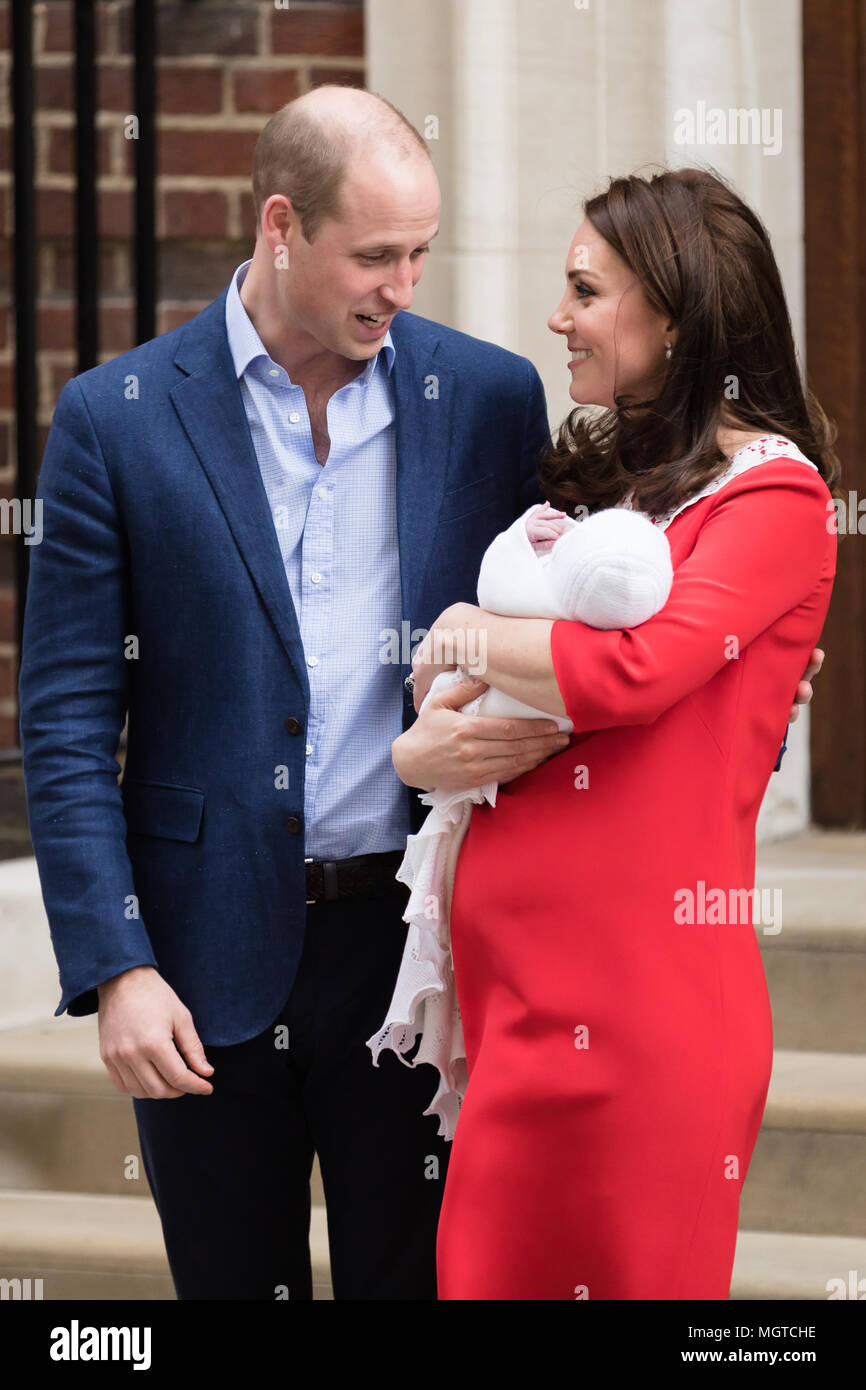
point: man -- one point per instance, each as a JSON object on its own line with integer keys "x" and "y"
{"x": 245, "y": 522}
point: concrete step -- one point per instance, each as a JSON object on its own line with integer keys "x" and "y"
{"x": 793, "y": 1267}
{"x": 103, "y": 1247}
{"x": 110, "y": 1248}
{"x": 808, "y": 1171}
{"x": 63, "y": 1126}
{"x": 816, "y": 965}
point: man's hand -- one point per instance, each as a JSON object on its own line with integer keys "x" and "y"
{"x": 444, "y": 749}
{"x": 147, "y": 1039}
{"x": 804, "y": 689}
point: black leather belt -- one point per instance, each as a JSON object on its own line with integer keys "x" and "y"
{"x": 365, "y": 876}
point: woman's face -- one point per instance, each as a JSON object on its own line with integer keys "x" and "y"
{"x": 616, "y": 338}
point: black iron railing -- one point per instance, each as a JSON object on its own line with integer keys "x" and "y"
{"x": 86, "y": 230}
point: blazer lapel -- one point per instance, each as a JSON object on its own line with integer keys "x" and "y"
{"x": 424, "y": 391}
{"x": 211, "y": 409}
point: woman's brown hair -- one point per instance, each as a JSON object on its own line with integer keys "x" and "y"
{"x": 704, "y": 259}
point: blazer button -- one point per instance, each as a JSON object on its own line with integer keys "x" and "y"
{"x": 293, "y": 726}
{"x": 294, "y": 824}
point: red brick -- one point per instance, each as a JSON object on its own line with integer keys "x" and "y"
{"x": 7, "y": 561}
{"x": 57, "y": 267}
{"x": 187, "y": 30}
{"x": 190, "y": 213}
{"x": 6, "y": 326}
{"x": 263, "y": 89}
{"x": 56, "y": 324}
{"x": 59, "y": 21}
{"x": 7, "y": 682}
{"x": 60, "y": 156}
{"x": 7, "y": 444}
{"x": 208, "y": 153}
{"x": 334, "y": 33}
{"x": 341, "y": 77}
{"x": 115, "y": 87}
{"x": 200, "y": 270}
{"x": 110, "y": 24}
{"x": 8, "y": 730}
{"x": 55, "y": 212}
{"x": 8, "y": 615}
{"x": 249, "y": 222}
{"x": 54, "y": 88}
{"x": 116, "y": 212}
{"x": 117, "y": 325}
{"x": 52, "y": 382}
{"x": 189, "y": 91}
{"x": 7, "y": 386}
{"x": 173, "y": 315}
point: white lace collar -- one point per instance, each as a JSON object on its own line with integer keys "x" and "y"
{"x": 762, "y": 450}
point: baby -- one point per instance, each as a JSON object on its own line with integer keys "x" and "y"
{"x": 611, "y": 570}
{"x": 545, "y": 526}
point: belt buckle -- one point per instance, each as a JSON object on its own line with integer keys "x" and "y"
{"x": 310, "y": 900}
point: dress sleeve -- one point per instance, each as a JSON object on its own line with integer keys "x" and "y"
{"x": 765, "y": 545}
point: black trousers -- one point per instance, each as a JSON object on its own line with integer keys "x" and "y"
{"x": 230, "y": 1172}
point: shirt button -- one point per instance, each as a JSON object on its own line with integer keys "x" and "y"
{"x": 309, "y": 749}
{"x": 294, "y": 417}
{"x": 322, "y": 491}
{"x": 316, "y": 577}
{"x": 293, "y": 824}
{"x": 312, "y": 661}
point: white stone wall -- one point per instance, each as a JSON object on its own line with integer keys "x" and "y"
{"x": 537, "y": 103}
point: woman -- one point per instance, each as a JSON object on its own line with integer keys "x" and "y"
{"x": 619, "y": 1041}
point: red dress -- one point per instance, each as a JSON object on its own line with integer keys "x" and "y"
{"x": 619, "y": 1054}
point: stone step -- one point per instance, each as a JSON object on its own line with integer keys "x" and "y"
{"x": 816, "y": 964}
{"x": 103, "y": 1247}
{"x": 808, "y": 1170}
{"x": 63, "y": 1126}
{"x": 110, "y": 1248}
{"x": 791, "y": 1267}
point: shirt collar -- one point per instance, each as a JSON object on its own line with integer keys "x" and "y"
{"x": 246, "y": 346}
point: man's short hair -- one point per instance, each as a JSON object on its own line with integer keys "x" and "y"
{"x": 304, "y": 155}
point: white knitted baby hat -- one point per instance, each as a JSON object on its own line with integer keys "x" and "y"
{"x": 613, "y": 569}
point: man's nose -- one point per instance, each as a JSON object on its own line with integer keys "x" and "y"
{"x": 400, "y": 288}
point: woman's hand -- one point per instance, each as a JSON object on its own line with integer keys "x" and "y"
{"x": 804, "y": 689}
{"x": 443, "y": 649}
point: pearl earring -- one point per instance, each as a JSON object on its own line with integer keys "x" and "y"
{"x": 667, "y": 350}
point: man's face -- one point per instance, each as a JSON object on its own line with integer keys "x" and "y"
{"x": 367, "y": 261}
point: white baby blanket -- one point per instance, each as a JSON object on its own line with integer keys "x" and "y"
{"x": 611, "y": 570}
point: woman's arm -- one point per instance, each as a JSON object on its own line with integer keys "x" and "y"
{"x": 512, "y": 654}
{"x": 760, "y": 553}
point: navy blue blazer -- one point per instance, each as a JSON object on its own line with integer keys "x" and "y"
{"x": 158, "y": 592}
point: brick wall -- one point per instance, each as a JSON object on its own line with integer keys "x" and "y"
{"x": 222, "y": 69}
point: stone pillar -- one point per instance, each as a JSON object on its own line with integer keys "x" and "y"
{"x": 537, "y": 104}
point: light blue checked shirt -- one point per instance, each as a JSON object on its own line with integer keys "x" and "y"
{"x": 337, "y": 528}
